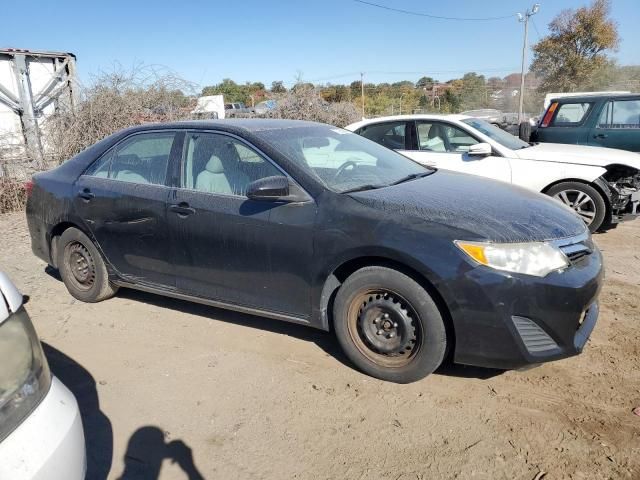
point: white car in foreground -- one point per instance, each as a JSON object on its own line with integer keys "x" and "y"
{"x": 41, "y": 435}
{"x": 602, "y": 185}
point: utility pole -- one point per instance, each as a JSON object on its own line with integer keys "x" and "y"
{"x": 362, "y": 91}
{"x": 524, "y": 18}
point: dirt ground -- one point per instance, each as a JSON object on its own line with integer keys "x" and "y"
{"x": 173, "y": 390}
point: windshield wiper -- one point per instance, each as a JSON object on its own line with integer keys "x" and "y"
{"x": 362, "y": 188}
{"x": 413, "y": 176}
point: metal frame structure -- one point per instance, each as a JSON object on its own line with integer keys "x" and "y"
{"x": 30, "y": 105}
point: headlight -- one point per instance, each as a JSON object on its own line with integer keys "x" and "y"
{"x": 537, "y": 258}
{"x": 24, "y": 373}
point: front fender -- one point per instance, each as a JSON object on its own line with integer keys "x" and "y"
{"x": 538, "y": 175}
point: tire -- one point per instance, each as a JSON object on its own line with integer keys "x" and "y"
{"x": 524, "y": 131}
{"x": 593, "y": 212}
{"x": 82, "y": 269}
{"x": 375, "y": 302}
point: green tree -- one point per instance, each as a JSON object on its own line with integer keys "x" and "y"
{"x": 231, "y": 90}
{"x": 278, "y": 87}
{"x": 574, "y": 55}
{"x": 355, "y": 88}
{"x": 473, "y": 91}
{"x": 402, "y": 84}
{"x": 234, "y": 92}
{"x": 425, "y": 82}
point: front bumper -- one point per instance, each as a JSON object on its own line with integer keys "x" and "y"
{"x": 49, "y": 443}
{"x": 509, "y": 321}
{"x": 631, "y": 210}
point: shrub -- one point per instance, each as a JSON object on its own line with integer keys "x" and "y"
{"x": 115, "y": 101}
{"x": 13, "y": 194}
{"x": 304, "y": 103}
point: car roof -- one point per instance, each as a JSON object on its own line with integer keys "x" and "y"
{"x": 595, "y": 96}
{"x": 415, "y": 116}
{"x": 230, "y": 125}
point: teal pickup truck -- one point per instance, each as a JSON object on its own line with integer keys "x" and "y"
{"x": 603, "y": 120}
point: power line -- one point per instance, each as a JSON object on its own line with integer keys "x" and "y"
{"x": 536, "y": 29}
{"x": 437, "y": 17}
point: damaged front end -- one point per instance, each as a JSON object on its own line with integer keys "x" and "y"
{"x": 622, "y": 185}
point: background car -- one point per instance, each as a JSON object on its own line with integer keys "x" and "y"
{"x": 604, "y": 120}
{"x": 601, "y": 185}
{"x": 491, "y": 115}
{"x": 41, "y": 435}
{"x": 312, "y": 224}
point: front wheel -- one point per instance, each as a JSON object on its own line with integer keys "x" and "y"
{"x": 388, "y": 325}
{"x": 585, "y": 200}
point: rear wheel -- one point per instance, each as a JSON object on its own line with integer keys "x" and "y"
{"x": 82, "y": 269}
{"x": 388, "y": 325}
{"x": 585, "y": 200}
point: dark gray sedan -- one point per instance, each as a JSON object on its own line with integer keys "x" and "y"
{"x": 312, "y": 224}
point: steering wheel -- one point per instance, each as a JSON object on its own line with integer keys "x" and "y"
{"x": 343, "y": 167}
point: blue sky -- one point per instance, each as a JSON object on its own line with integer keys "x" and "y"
{"x": 328, "y": 40}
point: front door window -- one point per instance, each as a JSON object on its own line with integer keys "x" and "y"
{"x": 443, "y": 138}
{"x": 220, "y": 164}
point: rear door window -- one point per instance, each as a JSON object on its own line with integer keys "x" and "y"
{"x": 142, "y": 158}
{"x": 620, "y": 114}
{"x": 571, "y": 114}
{"x": 390, "y": 134}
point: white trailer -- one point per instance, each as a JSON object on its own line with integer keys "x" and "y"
{"x": 209, "y": 107}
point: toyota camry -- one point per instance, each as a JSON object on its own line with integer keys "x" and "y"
{"x": 312, "y": 224}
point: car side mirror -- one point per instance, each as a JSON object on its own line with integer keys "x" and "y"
{"x": 268, "y": 188}
{"x": 480, "y": 150}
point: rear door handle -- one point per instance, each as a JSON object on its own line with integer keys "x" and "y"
{"x": 182, "y": 209}
{"x": 86, "y": 194}
{"x": 600, "y": 135}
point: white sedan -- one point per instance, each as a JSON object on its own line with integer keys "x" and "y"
{"x": 41, "y": 435}
{"x": 602, "y": 185}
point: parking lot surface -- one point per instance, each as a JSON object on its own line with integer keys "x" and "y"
{"x": 174, "y": 390}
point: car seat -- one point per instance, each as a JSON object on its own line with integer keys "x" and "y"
{"x": 216, "y": 179}
{"x": 124, "y": 167}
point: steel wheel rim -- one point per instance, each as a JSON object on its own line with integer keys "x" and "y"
{"x": 580, "y": 202}
{"x": 384, "y": 327}
{"x": 81, "y": 264}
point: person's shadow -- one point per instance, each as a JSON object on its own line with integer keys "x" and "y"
{"x": 147, "y": 450}
{"x": 98, "y": 433}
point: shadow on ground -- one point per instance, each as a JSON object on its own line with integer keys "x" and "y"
{"x": 98, "y": 433}
{"x": 146, "y": 449}
{"x": 325, "y": 340}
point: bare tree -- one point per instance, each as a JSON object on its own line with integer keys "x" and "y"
{"x": 116, "y": 100}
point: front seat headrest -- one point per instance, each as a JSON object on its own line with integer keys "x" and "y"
{"x": 214, "y": 165}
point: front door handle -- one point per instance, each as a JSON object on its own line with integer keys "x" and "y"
{"x": 182, "y": 209}
{"x": 600, "y": 135}
{"x": 86, "y": 194}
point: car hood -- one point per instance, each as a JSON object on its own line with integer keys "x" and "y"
{"x": 475, "y": 208}
{"x": 580, "y": 154}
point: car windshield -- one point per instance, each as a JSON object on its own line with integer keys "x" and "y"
{"x": 342, "y": 160}
{"x": 503, "y": 138}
